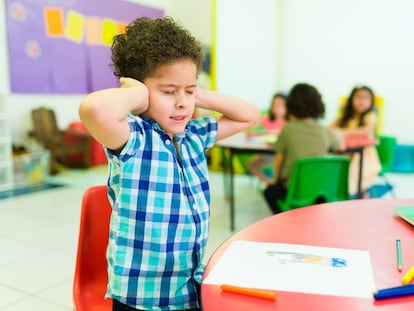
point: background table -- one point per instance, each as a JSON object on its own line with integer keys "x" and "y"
{"x": 359, "y": 224}
{"x": 240, "y": 144}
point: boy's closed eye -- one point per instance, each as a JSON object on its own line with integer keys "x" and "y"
{"x": 172, "y": 92}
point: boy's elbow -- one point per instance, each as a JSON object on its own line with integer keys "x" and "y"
{"x": 84, "y": 110}
{"x": 88, "y": 109}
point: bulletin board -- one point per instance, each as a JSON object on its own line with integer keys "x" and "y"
{"x": 63, "y": 46}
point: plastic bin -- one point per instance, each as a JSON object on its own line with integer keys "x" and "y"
{"x": 404, "y": 159}
{"x": 30, "y": 169}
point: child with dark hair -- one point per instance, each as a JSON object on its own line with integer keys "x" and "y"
{"x": 275, "y": 118}
{"x": 158, "y": 176}
{"x": 301, "y": 137}
{"x": 358, "y": 111}
{"x": 358, "y": 120}
{"x": 272, "y": 123}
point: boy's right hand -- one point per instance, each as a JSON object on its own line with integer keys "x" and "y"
{"x": 129, "y": 82}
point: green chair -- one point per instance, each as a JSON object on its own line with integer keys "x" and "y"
{"x": 317, "y": 180}
{"x": 386, "y": 152}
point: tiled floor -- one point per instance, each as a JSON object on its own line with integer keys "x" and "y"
{"x": 38, "y": 235}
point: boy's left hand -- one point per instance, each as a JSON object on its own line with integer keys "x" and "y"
{"x": 197, "y": 93}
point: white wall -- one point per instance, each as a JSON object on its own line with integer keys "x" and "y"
{"x": 246, "y": 49}
{"x": 196, "y": 16}
{"x": 338, "y": 44}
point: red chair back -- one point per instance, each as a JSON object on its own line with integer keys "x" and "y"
{"x": 90, "y": 279}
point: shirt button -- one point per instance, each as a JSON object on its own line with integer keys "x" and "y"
{"x": 168, "y": 142}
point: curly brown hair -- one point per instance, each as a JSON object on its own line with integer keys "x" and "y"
{"x": 148, "y": 44}
{"x": 305, "y": 101}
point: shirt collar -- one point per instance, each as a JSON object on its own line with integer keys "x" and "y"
{"x": 156, "y": 127}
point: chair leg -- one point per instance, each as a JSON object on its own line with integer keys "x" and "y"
{"x": 52, "y": 165}
{"x": 392, "y": 191}
{"x": 389, "y": 187}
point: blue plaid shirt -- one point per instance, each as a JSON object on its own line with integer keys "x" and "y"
{"x": 160, "y": 199}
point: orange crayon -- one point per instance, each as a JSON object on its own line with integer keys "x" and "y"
{"x": 260, "y": 293}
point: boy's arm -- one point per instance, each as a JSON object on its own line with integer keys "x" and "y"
{"x": 237, "y": 114}
{"x": 104, "y": 112}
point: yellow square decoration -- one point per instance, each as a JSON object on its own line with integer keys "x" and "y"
{"x": 109, "y": 30}
{"x": 75, "y": 26}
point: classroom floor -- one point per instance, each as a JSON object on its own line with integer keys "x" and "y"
{"x": 39, "y": 231}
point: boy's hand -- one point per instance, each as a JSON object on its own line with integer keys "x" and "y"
{"x": 129, "y": 82}
{"x": 202, "y": 97}
{"x": 197, "y": 96}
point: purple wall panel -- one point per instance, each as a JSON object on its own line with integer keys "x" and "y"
{"x": 66, "y": 63}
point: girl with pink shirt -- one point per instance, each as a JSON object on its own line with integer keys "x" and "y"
{"x": 273, "y": 121}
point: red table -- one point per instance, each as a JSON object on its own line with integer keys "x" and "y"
{"x": 359, "y": 224}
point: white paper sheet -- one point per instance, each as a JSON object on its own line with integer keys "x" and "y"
{"x": 295, "y": 268}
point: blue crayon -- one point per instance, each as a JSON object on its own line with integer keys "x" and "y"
{"x": 394, "y": 292}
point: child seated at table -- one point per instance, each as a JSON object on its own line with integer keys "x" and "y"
{"x": 301, "y": 137}
{"x": 270, "y": 123}
{"x": 357, "y": 122}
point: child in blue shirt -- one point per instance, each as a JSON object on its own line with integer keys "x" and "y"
{"x": 158, "y": 175}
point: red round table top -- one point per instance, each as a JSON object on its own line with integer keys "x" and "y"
{"x": 369, "y": 225}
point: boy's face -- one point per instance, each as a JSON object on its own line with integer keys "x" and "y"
{"x": 172, "y": 95}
